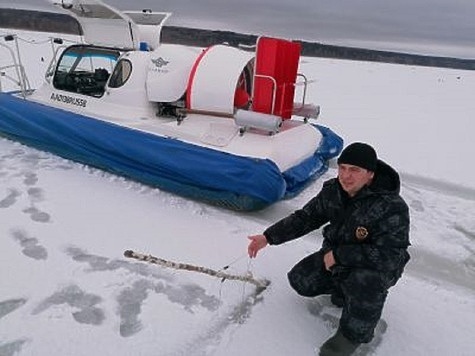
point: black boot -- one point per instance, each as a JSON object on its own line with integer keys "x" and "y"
{"x": 338, "y": 345}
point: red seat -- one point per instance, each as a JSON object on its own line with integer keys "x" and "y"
{"x": 241, "y": 98}
{"x": 275, "y": 74}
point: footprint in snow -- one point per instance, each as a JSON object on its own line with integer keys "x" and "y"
{"x": 130, "y": 305}
{"x": 37, "y": 215}
{"x": 77, "y": 299}
{"x": 188, "y": 295}
{"x": 131, "y": 299}
{"x": 30, "y": 179}
{"x": 98, "y": 263}
{"x": 12, "y": 348}
{"x": 35, "y": 194}
{"x": 30, "y": 245}
{"x": 10, "y": 199}
{"x": 10, "y": 305}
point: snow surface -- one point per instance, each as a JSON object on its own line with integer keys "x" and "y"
{"x": 66, "y": 288}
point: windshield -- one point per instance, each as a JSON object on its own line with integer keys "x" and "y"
{"x": 85, "y": 69}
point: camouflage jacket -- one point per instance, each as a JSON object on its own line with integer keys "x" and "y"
{"x": 369, "y": 230}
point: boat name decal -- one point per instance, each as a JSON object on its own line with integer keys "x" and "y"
{"x": 68, "y": 100}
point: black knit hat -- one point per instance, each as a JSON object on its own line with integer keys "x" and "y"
{"x": 359, "y": 154}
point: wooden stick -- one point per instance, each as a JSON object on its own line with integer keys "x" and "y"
{"x": 260, "y": 283}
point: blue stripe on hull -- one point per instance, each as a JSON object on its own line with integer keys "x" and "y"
{"x": 192, "y": 171}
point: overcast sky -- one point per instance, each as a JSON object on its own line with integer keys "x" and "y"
{"x": 442, "y": 27}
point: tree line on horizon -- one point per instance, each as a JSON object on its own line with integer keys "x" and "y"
{"x": 63, "y": 23}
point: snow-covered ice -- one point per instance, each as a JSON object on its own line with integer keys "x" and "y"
{"x": 66, "y": 288}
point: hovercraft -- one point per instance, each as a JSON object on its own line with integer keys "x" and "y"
{"x": 218, "y": 124}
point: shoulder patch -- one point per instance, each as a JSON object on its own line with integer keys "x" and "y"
{"x": 361, "y": 233}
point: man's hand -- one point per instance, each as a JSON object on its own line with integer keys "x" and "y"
{"x": 257, "y": 242}
{"x": 329, "y": 260}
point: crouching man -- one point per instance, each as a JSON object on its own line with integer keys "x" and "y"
{"x": 364, "y": 248}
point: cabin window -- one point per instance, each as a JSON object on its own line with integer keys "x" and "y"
{"x": 121, "y": 73}
{"x": 85, "y": 70}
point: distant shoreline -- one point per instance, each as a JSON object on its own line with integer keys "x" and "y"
{"x": 44, "y": 21}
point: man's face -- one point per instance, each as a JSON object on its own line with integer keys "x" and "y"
{"x": 353, "y": 178}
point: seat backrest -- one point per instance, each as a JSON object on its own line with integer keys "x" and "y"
{"x": 101, "y": 74}
{"x": 275, "y": 75}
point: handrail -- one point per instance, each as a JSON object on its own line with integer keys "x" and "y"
{"x": 22, "y": 80}
{"x": 60, "y": 42}
{"x": 4, "y": 74}
{"x": 302, "y": 109}
{"x": 274, "y": 90}
{"x": 305, "y": 83}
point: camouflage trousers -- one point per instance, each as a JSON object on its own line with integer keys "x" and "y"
{"x": 363, "y": 291}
